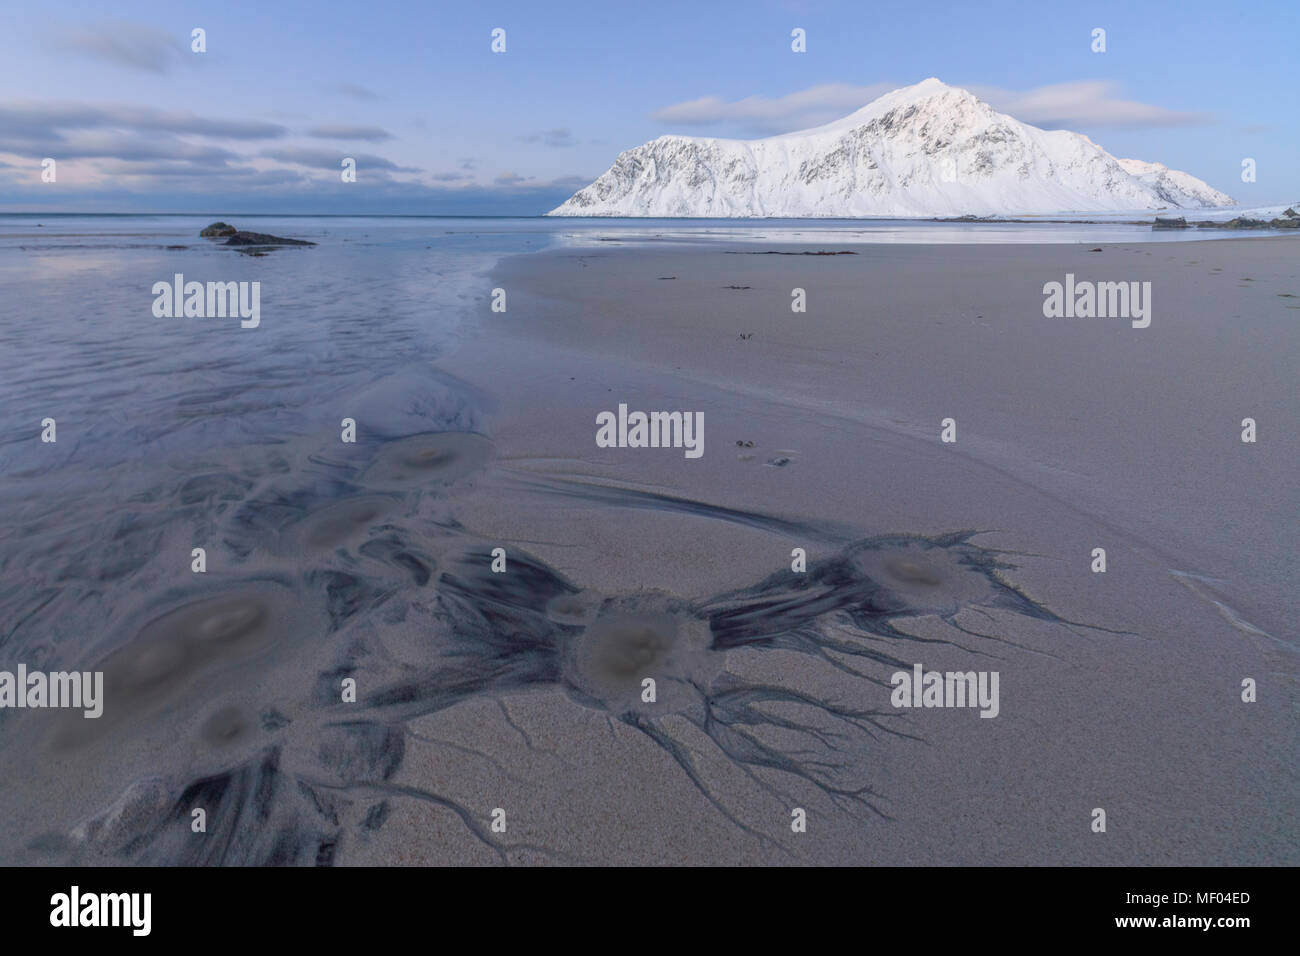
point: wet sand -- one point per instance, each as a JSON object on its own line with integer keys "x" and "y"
{"x": 1120, "y": 690}
{"x": 522, "y": 691}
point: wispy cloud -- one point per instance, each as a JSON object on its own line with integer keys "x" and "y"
{"x": 133, "y": 148}
{"x": 140, "y": 143}
{"x": 1092, "y": 103}
{"x": 1089, "y": 103}
{"x": 164, "y": 171}
{"x": 131, "y": 46}
{"x": 283, "y": 191}
{"x": 764, "y": 115}
{"x": 514, "y": 183}
{"x": 370, "y": 134}
{"x": 129, "y": 140}
{"x": 53, "y": 120}
{"x": 551, "y": 137}
{"x": 354, "y": 91}
{"x": 571, "y": 183}
{"x": 319, "y": 158}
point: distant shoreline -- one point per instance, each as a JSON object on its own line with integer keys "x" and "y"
{"x": 1024, "y": 219}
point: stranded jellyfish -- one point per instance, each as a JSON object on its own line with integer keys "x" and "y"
{"x": 430, "y": 458}
{"x": 172, "y": 653}
{"x": 635, "y": 639}
{"x": 333, "y": 525}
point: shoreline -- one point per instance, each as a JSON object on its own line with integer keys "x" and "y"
{"x": 1059, "y": 460}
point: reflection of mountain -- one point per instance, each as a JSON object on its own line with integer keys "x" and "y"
{"x": 925, "y": 150}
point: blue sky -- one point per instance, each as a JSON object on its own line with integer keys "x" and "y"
{"x": 438, "y": 123}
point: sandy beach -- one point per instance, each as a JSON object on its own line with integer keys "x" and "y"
{"x": 1120, "y": 690}
{"x": 498, "y": 585}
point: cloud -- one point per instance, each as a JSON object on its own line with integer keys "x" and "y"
{"x": 282, "y": 191}
{"x": 571, "y": 183}
{"x": 129, "y": 147}
{"x": 371, "y": 134}
{"x": 551, "y": 137}
{"x": 765, "y": 115}
{"x": 1091, "y": 103}
{"x": 132, "y": 46}
{"x": 130, "y": 157}
{"x": 51, "y": 121}
{"x": 128, "y": 135}
{"x": 331, "y": 158}
{"x": 166, "y": 170}
{"x": 354, "y": 91}
{"x": 1088, "y": 103}
{"x": 514, "y": 184}
{"x": 142, "y": 142}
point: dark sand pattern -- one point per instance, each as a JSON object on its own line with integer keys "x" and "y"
{"x": 302, "y": 787}
{"x": 874, "y": 583}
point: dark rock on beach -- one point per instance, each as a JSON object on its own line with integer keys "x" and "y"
{"x": 262, "y": 239}
{"x": 1288, "y": 220}
{"x": 1241, "y": 222}
{"x": 237, "y": 237}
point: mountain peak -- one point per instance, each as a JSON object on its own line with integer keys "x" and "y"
{"x": 947, "y": 98}
{"x": 931, "y": 89}
{"x": 930, "y": 84}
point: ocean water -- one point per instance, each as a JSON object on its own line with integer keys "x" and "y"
{"x": 79, "y": 337}
{"x": 182, "y": 433}
{"x": 79, "y": 342}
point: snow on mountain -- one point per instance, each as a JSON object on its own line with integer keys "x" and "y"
{"x": 1173, "y": 187}
{"x": 922, "y": 151}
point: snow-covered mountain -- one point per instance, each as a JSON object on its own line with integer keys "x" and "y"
{"x": 925, "y": 150}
